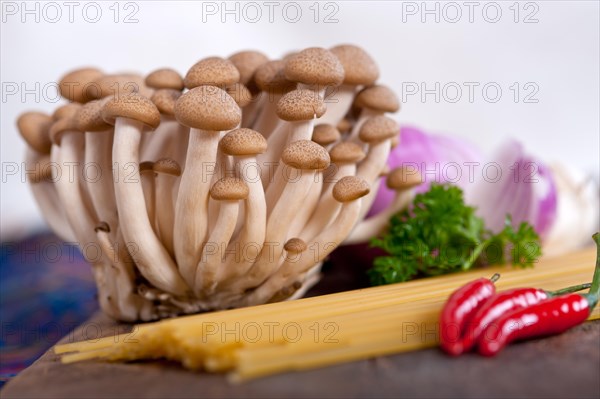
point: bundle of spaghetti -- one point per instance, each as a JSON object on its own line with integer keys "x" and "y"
{"x": 319, "y": 331}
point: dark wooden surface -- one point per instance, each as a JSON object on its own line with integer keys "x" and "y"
{"x": 565, "y": 366}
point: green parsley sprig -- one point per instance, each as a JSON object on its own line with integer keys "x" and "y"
{"x": 441, "y": 234}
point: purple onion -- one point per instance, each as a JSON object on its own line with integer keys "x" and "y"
{"x": 438, "y": 158}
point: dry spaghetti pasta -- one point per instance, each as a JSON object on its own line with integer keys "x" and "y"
{"x": 315, "y": 332}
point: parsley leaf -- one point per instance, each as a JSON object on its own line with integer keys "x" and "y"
{"x": 441, "y": 234}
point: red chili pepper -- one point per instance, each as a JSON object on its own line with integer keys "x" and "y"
{"x": 552, "y": 316}
{"x": 460, "y": 308}
{"x": 507, "y": 301}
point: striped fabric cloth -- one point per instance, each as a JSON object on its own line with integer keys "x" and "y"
{"x": 46, "y": 290}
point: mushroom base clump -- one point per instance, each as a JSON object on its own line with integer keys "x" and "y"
{"x": 227, "y": 187}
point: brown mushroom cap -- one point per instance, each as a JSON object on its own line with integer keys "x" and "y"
{"x": 165, "y": 100}
{"x": 212, "y": 71}
{"x": 346, "y": 152}
{"x": 243, "y": 142}
{"x": 131, "y": 106}
{"x": 350, "y": 188}
{"x": 164, "y": 78}
{"x": 117, "y": 85}
{"x": 270, "y": 77}
{"x": 359, "y": 67}
{"x": 300, "y": 105}
{"x": 315, "y": 66}
{"x": 305, "y": 155}
{"x": 66, "y": 111}
{"x": 402, "y": 178}
{"x": 378, "y": 97}
{"x": 63, "y": 125}
{"x": 76, "y": 85}
{"x": 34, "y": 128}
{"x": 229, "y": 189}
{"x": 344, "y": 126}
{"x": 90, "y": 118}
{"x": 207, "y": 108}
{"x": 325, "y": 134}
{"x": 167, "y": 166}
{"x": 295, "y": 245}
{"x": 378, "y": 128}
{"x": 240, "y": 94}
{"x": 146, "y": 166}
{"x": 246, "y": 63}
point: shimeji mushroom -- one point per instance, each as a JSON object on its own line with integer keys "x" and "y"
{"x": 207, "y": 111}
{"x": 244, "y": 145}
{"x": 228, "y": 191}
{"x": 67, "y": 150}
{"x": 344, "y": 157}
{"x": 127, "y": 305}
{"x": 344, "y": 126}
{"x": 34, "y": 127}
{"x": 377, "y": 132}
{"x": 306, "y": 158}
{"x": 315, "y": 69}
{"x": 98, "y": 157}
{"x": 167, "y": 171}
{"x": 246, "y": 63}
{"x": 325, "y": 134}
{"x": 119, "y": 84}
{"x": 170, "y": 138}
{"x": 79, "y": 85}
{"x": 270, "y": 78}
{"x": 403, "y": 181}
{"x": 212, "y": 71}
{"x": 349, "y": 191}
{"x": 299, "y": 109}
{"x": 164, "y": 78}
{"x": 359, "y": 70}
{"x": 130, "y": 114}
{"x": 146, "y": 171}
{"x": 373, "y": 101}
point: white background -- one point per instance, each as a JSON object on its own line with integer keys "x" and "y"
{"x": 558, "y": 54}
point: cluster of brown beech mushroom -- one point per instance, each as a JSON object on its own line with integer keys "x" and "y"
{"x": 225, "y": 188}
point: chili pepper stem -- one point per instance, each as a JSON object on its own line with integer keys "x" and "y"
{"x": 568, "y": 290}
{"x": 595, "y": 289}
{"x": 495, "y": 277}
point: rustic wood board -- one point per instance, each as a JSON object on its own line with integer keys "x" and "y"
{"x": 558, "y": 367}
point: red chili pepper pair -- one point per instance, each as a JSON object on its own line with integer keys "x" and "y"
{"x": 474, "y": 315}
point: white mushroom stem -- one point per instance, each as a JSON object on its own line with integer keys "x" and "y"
{"x": 365, "y": 114}
{"x": 151, "y": 257}
{"x": 243, "y": 251}
{"x": 278, "y": 224}
{"x": 121, "y": 274}
{"x": 252, "y": 110}
{"x": 327, "y": 208}
{"x": 223, "y": 167}
{"x": 310, "y": 205}
{"x": 214, "y": 249}
{"x": 149, "y": 190}
{"x": 79, "y": 217}
{"x": 370, "y": 169}
{"x": 267, "y": 120}
{"x": 165, "y": 209}
{"x": 191, "y": 210}
{"x": 163, "y": 142}
{"x": 46, "y": 197}
{"x": 98, "y": 149}
{"x": 371, "y": 227}
{"x": 295, "y": 131}
{"x": 317, "y": 89}
{"x": 269, "y": 161}
{"x": 321, "y": 246}
{"x": 339, "y": 100}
